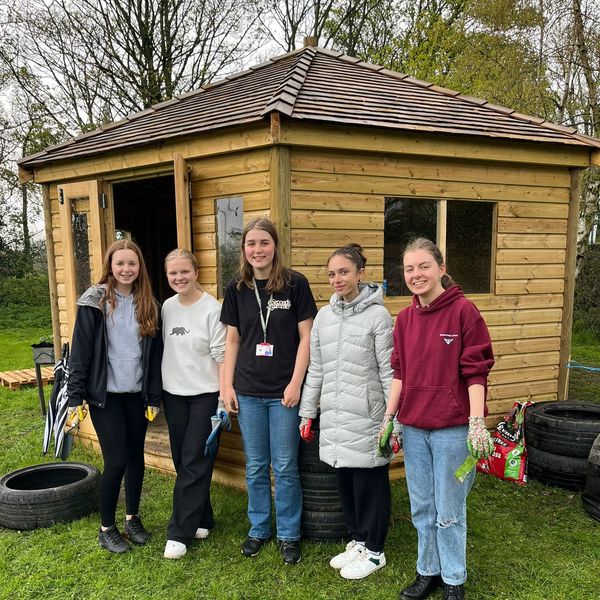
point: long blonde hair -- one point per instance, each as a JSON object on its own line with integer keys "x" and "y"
{"x": 183, "y": 253}
{"x": 146, "y": 312}
{"x": 280, "y": 275}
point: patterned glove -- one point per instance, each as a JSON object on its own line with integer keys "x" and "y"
{"x": 385, "y": 432}
{"x": 75, "y": 414}
{"x": 479, "y": 440}
{"x": 151, "y": 412}
{"x": 305, "y": 430}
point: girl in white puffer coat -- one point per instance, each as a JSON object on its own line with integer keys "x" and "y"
{"x": 348, "y": 381}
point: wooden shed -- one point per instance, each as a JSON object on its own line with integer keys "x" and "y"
{"x": 334, "y": 150}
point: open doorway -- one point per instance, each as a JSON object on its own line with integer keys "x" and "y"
{"x": 145, "y": 213}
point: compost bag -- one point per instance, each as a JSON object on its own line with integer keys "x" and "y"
{"x": 509, "y": 459}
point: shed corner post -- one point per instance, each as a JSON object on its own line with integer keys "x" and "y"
{"x": 280, "y": 198}
{"x": 51, "y": 260}
{"x": 183, "y": 213}
{"x": 566, "y": 332}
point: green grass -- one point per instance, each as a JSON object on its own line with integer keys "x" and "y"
{"x": 524, "y": 543}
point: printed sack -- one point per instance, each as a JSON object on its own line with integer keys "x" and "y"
{"x": 509, "y": 459}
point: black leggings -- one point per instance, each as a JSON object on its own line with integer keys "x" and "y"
{"x": 121, "y": 429}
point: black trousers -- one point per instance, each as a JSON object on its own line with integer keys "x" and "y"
{"x": 121, "y": 429}
{"x": 366, "y": 503}
{"x": 188, "y": 419}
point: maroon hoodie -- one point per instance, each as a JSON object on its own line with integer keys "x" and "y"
{"x": 439, "y": 351}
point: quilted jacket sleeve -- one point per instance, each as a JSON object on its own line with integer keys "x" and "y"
{"x": 311, "y": 392}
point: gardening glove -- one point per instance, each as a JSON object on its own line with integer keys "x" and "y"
{"x": 218, "y": 421}
{"x": 151, "y": 412}
{"x": 305, "y": 430}
{"x": 384, "y": 439}
{"x": 396, "y": 440}
{"x": 223, "y": 414}
{"x": 479, "y": 439}
{"x": 75, "y": 414}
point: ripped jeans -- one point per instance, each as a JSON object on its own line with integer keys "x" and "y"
{"x": 438, "y": 501}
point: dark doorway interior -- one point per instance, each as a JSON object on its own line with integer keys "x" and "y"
{"x": 145, "y": 211}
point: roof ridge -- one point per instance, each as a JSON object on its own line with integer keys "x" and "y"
{"x": 284, "y": 98}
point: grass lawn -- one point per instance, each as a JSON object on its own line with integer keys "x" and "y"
{"x": 531, "y": 542}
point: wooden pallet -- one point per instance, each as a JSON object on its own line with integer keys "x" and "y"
{"x": 15, "y": 379}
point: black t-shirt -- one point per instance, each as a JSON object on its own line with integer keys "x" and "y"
{"x": 267, "y": 376}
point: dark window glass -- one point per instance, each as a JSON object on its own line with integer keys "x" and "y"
{"x": 405, "y": 219}
{"x": 230, "y": 222}
{"x": 81, "y": 249}
{"x": 469, "y": 244}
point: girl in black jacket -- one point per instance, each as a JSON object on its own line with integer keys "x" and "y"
{"x": 115, "y": 367}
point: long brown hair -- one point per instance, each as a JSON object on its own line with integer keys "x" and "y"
{"x": 280, "y": 276}
{"x": 146, "y": 311}
{"x": 429, "y": 246}
{"x": 183, "y": 253}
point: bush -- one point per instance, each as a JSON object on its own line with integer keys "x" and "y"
{"x": 30, "y": 290}
{"x": 586, "y": 314}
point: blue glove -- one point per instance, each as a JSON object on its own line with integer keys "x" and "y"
{"x": 218, "y": 421}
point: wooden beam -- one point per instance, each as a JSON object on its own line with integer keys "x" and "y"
{"x": 51, "y": 258}
{"x": 182, "y": 203}
{"x": 280, "y": 199}
{"x": 569, "y": 290}
{"x": 68, "y": 256}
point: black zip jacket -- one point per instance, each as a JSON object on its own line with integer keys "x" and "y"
{"x": 88, "y": 361}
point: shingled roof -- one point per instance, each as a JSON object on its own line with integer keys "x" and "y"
{"x": 317, "y": 85}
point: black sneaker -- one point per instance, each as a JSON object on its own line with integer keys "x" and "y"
{"x": 290, "y": 552}
{"x": 135, "y": 531}
{"x": 252, "y": 546}
{"x": 112, "y": 540}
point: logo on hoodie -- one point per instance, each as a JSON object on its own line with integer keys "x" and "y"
{"x": 448, "y": 337}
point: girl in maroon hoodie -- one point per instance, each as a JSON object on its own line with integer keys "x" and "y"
{"x": 441, "y": 359}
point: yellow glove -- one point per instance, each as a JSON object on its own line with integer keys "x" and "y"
{"x": 75, "y": 414}
{"x": 151, "y": 412}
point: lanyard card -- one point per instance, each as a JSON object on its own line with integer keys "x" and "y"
{"x": 264, "y": 349}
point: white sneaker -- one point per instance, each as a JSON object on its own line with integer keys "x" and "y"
{"x": 201, "y": 533}
{"x": 175, "y": 549}
{"x": 364, "y": 565}
{"x": 352, "y": 552}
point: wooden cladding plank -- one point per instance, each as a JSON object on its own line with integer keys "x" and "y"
{"x": 238, "y": 163}
{"x": 305, "y": 219}
{"x": 252, "y": 201}
{"x": 529, "y": 286}
{"x": 205, "y": 241}
{"x": 327, "y": 238}
{"x": 231, "y": 186}
{"x": 490, "y": 302}
{"x": 517, "y": 317}
{"x": 536, "y": 210}
{"x": 508, "y": 240}
{"x": 424, "y": 168}
{"x": 511, "y": 332}
{"x": 498, "y": 408}
{"x": 414, "y": 188}
{"x": 521, "y": 225}
{"x": 523, "y": 390}
{"x": 529, "y": 271}
{"x": 340, "y": 201}
{"x": 526, "y": 345}
{"x": 520, "y": 361}
{"x": 528, "y": 256}
{"x": 523, "y": 375}
{"x": 206, "y": 258}
{"x": 204, "y": 224}
{"x": 302, "y": 257}
{"x": 369, "y": 139}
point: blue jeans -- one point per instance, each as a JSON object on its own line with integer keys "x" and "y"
{"x": 438, "y": 501}
{"x": 271, "y": 437}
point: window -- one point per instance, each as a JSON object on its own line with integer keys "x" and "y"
{"x": 463, "y": 230}
{"x": 230, "y": 223}
{"x": 81, "y": 250}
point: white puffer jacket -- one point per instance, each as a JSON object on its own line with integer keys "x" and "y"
{"x": 349, "y": 376}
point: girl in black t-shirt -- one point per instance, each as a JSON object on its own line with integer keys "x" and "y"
{"x": 268, "y": 310}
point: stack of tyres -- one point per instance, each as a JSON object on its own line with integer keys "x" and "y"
{"x": 591, "y": 494}
{"x": 559, "y": 437}
{"x": 322, "y": 516}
